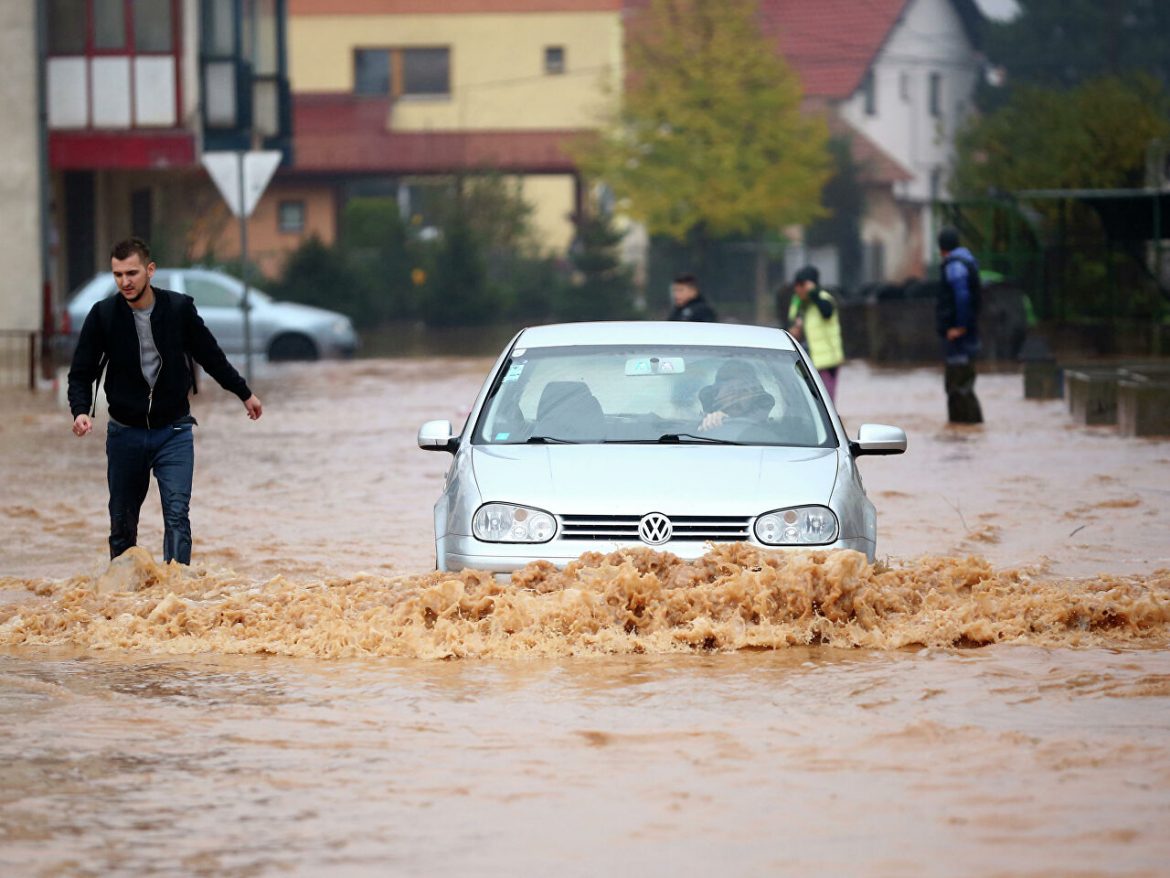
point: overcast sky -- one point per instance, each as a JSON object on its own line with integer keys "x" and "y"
{"x": 998, "y": 9}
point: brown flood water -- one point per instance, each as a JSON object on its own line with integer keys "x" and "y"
{"x": 992, "y": 698}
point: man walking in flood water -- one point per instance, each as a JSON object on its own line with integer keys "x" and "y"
{"x": 957, "y": 321}
{"x": 147, "y": 340}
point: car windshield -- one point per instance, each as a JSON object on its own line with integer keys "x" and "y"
{"x": 654, "y": 394}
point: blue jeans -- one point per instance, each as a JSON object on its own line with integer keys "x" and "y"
{"x": 132, "y": 453}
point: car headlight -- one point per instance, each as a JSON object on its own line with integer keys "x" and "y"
{"x": 505, "y": 523}
{"x": 799, "y": 526}
{"x": 342, "y": 327}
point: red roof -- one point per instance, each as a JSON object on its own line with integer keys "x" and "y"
{"x": 830, "y": 43}
{"x": 339, "y": 132}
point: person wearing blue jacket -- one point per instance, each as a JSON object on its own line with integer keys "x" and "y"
{"x": 957, "y": 321}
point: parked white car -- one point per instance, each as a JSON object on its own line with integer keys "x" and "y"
{"x": 279, "y": 330}
{"x": 599, "y": 436}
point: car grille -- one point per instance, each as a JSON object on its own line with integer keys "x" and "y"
{"x": 692, "y": 528}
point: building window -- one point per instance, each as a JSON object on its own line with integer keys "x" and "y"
{"x": 904, "y": 87}
{"x": 426, "y": 72}
{"x": 153, "y": 31}
{"x": 554, "y": 60}
{"x": 79, "y": 27}
{"x": 290, "y": 217}
{"x": 869, "y": 89}
{"x": 936, "y": 94}
{"x": 109, "y": 25}
{"x": 67, "y": 29}
{"x": 371, "y": 71}
{"x": 406, "y": 71}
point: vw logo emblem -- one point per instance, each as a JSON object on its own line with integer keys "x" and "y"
{"x": 655, "y": 529}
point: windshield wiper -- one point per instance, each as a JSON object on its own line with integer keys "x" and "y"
{"x": 549, "y": 440}
{"x": 667, "y": 438}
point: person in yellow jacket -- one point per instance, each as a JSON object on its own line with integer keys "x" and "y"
{"x": 814, "y": 321}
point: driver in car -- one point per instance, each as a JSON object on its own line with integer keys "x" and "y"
{"x": 735, "y": 393}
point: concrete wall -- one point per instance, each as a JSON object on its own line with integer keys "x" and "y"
{"x": 20, "y": 172}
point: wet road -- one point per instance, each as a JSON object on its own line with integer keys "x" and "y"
{"x": 278, "y": 709}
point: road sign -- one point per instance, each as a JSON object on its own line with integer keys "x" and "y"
{"x": 258, "y": 167}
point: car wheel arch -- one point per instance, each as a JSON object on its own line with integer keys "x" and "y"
{"x": 292, "y": 345}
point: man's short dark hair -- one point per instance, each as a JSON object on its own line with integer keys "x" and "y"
{"x": 123, "y": 249}
{"x": 687, "y": 279}
{"x": 809, "y": 272}
{"x": 948, "y": 239}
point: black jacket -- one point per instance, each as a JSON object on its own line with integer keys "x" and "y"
{"x": 179, "y": 333}
{"x": 697, "y": 310}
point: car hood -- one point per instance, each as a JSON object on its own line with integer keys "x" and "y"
{"x": 636, "y": 479}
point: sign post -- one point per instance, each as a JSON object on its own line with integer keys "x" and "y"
{"x": 241, "y": 178}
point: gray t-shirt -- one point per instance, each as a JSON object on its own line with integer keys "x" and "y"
{"x": 147, "y": 352}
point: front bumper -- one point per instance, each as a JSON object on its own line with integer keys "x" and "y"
{"x": 459, "y": 552}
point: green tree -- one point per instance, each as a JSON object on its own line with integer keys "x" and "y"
{"x": 315, "y": 274}
{"x": 1064, "y": 43}
{"x": 458, "y": 291}
{"x": 844, "y": 199}
{"x": 1093, "y": 136}
{"x": 378, "y": 251}
{"x": 604, "y": 287}
{"x": 495, "y": 209}
{"x": 710, "y": 134}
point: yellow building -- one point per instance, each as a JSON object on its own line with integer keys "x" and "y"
{"x": 402, "y": 93}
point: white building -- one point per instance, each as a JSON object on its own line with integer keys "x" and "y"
{"x": 896, "y": 77}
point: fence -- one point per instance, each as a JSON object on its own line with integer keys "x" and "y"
{"x": 18, "y": 358}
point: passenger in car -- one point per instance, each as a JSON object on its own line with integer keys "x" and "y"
{"x": 568, "y": 410}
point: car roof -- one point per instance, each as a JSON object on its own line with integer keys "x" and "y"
{"x": 102, "y": 283}
{"x": 654, "y": 332}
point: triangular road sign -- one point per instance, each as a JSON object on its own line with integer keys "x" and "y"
{"x": 258, "y": 168}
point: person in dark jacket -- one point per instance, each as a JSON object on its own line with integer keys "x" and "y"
{"x": 144, "y": 339}
{"x": 689, "y": 303}
{"x": 957, "y": 322}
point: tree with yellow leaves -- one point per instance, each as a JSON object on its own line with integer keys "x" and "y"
{"x": 709, "y": 134}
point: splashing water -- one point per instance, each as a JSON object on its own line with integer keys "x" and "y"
{"x": 736, "y": 597}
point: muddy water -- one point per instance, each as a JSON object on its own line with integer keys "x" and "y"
{"x": 992, "y": 698}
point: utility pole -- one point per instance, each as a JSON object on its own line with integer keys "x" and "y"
{"x": 245, "y": 304}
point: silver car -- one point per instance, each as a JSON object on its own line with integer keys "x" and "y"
{"x": 597, "y": 436}
{"x": 279, "y": 330}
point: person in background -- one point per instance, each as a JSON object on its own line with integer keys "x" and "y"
{"x": 957, "y": 323}
{"x": 814, "y": 321}
{"x": 145, "y": 340}
{"x": 689, "y": 303}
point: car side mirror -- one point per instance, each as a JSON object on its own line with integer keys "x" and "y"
{"x": 436, "y": 436}
{"x": 878, "y": 439}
